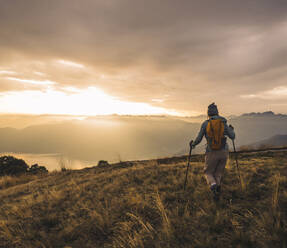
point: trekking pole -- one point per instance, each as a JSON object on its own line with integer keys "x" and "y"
{"x": 236, "y": 159}
{"x": 188, "y": 165}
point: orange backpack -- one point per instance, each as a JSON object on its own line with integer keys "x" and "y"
{"x": 215, "y": 133}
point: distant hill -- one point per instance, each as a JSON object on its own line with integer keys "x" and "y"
{"x": 260, "y": 114}
{"x": 274, "y": 141}
{"x": 253, "y": 127}
{"x": 267, "y": 114}
{"x": 117, "y": 137}
{"x": 108, "y": 138}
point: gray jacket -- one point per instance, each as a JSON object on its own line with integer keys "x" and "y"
{"x": 227, "y": 132}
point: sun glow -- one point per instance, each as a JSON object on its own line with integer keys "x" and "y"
{"x": 90, "y": 101}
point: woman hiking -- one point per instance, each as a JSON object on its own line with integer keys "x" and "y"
{"x": 215, "y": 130}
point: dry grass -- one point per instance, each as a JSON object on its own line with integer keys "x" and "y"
{"x": 142, "y": 204}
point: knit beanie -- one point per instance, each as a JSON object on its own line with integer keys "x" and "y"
{"x": 212, "y": 110}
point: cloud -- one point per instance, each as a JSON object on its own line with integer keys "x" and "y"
{"x": 7, "y": 72}
{"x": 273, "y": 94}
{"x": 194, "y": 52}
{"x": 31, "y": 81}
{"x": 70, "y": 64}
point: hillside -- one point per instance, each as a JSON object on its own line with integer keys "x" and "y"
{"x": 142, "y": 204}
{"x": 274, "y": 141}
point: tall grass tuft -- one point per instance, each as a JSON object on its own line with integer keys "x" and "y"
{"x": 133, "y": 233}
{"x": 166, "y": 226}
{"x": 275, "y": 195}
{"x": 275, "y": 200}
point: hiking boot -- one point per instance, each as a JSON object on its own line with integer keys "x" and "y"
{"x": 218, "y": 192}
{"x": 213, "y": 189}
{"x": 218, "y": 189}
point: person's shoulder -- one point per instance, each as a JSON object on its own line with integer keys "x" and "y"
{"x": 222, "y": 118}
{"x": 204, "y": 123}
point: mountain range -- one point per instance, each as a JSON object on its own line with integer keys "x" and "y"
{"x": 115, "y": 137}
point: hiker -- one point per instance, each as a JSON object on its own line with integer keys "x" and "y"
{"x": 215, "y": 130}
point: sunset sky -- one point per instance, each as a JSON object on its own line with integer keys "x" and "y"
{"x": 169, "y": 57}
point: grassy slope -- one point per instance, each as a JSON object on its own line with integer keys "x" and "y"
{"x": 142, "y": 204}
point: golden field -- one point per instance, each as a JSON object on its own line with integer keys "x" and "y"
{"x": 143, "y": 204}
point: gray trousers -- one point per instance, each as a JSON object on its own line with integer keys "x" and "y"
{"x": 215, "y": 162}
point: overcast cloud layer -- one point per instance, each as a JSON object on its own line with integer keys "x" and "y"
{"x": 178, "y": 55}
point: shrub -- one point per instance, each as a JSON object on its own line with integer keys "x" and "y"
{"x": 10, "y": 165}
{"x": 102, "y": 163}
{"x": 35, "y": 169}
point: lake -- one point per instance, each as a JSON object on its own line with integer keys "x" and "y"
{"x": 51, "y": 161}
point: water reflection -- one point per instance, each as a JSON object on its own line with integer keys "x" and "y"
{"x": 52, "y": 161}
